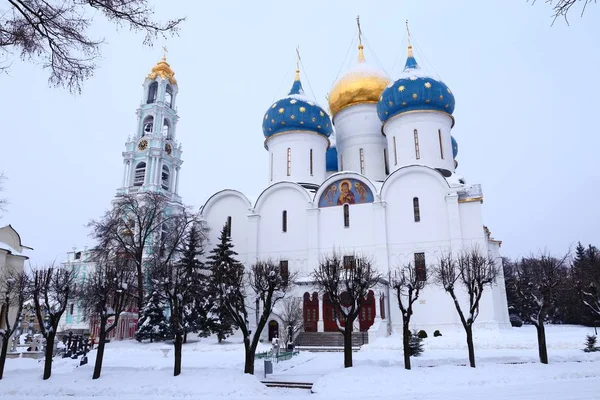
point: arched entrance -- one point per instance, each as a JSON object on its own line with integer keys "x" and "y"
{"x": 273, "y": 329}
{"x": 367, "y": 312}
{"x": 310, "y": 311}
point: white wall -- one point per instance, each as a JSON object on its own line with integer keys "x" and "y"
{"x": 300, "y": 144}
{"x": 427, "y": 124}
{"x": 358, "y": 127}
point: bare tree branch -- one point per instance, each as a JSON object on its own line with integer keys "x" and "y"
{"x": 562, "y": 8}
{"x": 15, "y": 286}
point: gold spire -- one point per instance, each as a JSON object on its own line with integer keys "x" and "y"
{"x": 361, "y": 53}
{"x": 163, "y": 69}
{"x": 297, "y": 77}
{"x": 410, "y": 51}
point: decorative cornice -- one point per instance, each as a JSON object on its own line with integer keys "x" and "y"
{"x": 471, "y": 199}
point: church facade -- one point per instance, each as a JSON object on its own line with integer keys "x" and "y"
{"x": 383, "y": 186}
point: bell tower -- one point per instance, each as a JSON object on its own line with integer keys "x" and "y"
{"x": 152, "y": 156}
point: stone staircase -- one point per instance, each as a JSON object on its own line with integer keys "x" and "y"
{"x": 328, "y": 341}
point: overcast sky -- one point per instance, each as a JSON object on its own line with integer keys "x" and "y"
{"x": 527, "y": 105}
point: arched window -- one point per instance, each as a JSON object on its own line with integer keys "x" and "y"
{"x": 416, "y": 209}
{"x": 140, "y": 174}
{"x": 346, "y": 216}
{"x": 284, "y": 221}
{"x": 311, "y": 162}
{"x": 395, "y": 152}
{"x": 165, "y": 177}
{"x": 228, "y": 226}
{"x": 385, "y": 162}
{"x": 166, "y": 129}
{"x": 148, "y": 125}
{"x": 420, "y": 267}
{"x": 440, "y": 140}
{"x": 289, "y": 162}
{"x": 152, "y": 92}
{"x": 362, "y": 161}
{"x": 169, "y": 96}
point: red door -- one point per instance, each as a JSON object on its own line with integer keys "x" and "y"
{"x": 366, "y": 317}
{"x": 310, "y": 312}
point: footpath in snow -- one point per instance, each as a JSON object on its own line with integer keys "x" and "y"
{"x": 507, "y": 367}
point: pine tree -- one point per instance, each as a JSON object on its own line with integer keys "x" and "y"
{"x": 153, "y": 323}
{"x": 590, "y": 344}
{"x": 222, "y": 263}
{"x": 195, "y": 273}
{"x": 415, "y": 344}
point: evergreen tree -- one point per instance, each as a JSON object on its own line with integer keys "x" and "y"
{"x": 222, "y": 264}
{"x": 197, "y": 318}
{"x": 415, "y": 344}
{"x": 153, "y": 323}
{"x": 590, "y": 344}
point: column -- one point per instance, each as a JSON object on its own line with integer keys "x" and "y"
{"x": 125, "y": 164}
{"x": 320, "y": 324}
{"x": 176, "y": 190}
{"x": 454, "y": 221}
{"x": 377, "y": 307}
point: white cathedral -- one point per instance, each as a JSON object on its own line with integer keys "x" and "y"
{"x": 384, "y": 185}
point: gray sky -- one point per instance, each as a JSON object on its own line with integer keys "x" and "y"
{"x": 527, "y": 99}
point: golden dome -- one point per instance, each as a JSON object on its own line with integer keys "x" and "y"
{"x": 163, "y": 69}
{"x": 362, "y": 84}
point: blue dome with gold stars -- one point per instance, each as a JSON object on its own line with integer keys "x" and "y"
{"x": 414, "y": 91}
{"x": 296, "y": 112}
{"x": 454, "y": 147}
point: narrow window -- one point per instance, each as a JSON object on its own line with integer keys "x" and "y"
{"x": 417, "y": 153}
{"x": 341, "y": 162}
{"x": 311, "y": 162}
{"x": 284, "y": 221}
{"x": 271, "y": 166}
{"x": 346, "y": 216}
{"x": 362, "y": 161}
{"x": 284, "y": 270}
{"x": 289, "y": 161}
{"x": 395, "y": 152}
{"x": 166, "y": 129}
{"x": 140, "y": 174}
{"x": 78, "y": 255}
{"x": 72, "y": 308}
{"x": 420, "y": 268}
{"x": 152, "y": 91}
{"x": 416, "y": 209}
{"x": 228, "y": 226}
{"x": 165, "y": 177}
{"x": 441, "y": 147}
{"x": 169, "y": 96}
{"x": 382, "y": 306}
{"x": 349, "y": 262}
{"x": 385, "y": 162}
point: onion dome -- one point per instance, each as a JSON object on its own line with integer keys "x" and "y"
{"x": 331, "y": 159}
{"x": 414, "y": 91}
{"x": 296, "y": 112}
{"x": 454, "y": 147}
{"x": 163, "y": 70}
{"x": 362, "y": 84}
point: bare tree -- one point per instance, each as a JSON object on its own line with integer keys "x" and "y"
{"x": 134, "y": 223}
{"x": 537, "y": 284}
{"x": 292, "y": 318}
{"x": 105, "y": 293}
{"x": 51, "y": 291}
{"x": 473, "y": 271}
{"x": 408, "y": 282}
{"x": 15, "y": 286}
{"x": 561, "y": 8}
{"x": 177, "y": 285}
{"x": 266, "y": 283}
{"x": 346, "y": 281}
{"x": 56, "y": 32}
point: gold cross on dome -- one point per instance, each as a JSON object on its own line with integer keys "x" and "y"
{"x": 165, "y": 51}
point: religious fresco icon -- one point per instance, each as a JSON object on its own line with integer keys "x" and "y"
{"x": 346, "y": 191}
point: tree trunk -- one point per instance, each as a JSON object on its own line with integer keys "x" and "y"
{"x": 5, "y": 341}
{"x": 178, "y": 346}
{"x": 406, "y": 345}
{"x": 48, "y": 353}
{"x": 140, "y": 282}
{"x": 100, "y": 351}
{"x": 185, "y": 337}
{"x": 249, "y": 364}
{"x": 220, "y": 338}
{"x": 542, "y": 350}
{"x": 348, "y": 345}
{"x": 469, "y": 330}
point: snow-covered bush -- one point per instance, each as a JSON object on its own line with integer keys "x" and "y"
{"x": 437, "y": 333}
{"x": 422, "y": 334}
{"x": 516, "y": 321}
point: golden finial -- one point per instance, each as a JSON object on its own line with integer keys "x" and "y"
{"x": 165, "y": 51}
{"x": 410, "y": 51}
{"x": 361, "y": 54}
{"x": 297, "y": 77}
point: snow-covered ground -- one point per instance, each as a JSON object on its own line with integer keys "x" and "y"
{"x": 507, "y": 368}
